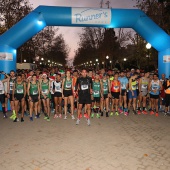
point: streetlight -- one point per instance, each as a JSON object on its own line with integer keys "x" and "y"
{"x": 107, "y": 57}
{"x": 148, "y": 47}
{"x": 90, "y": 61}
{"x": 25, "y": 61}
{"x": 124, "y": 59}
{"x": 97, "y": 60}
{"x": 42, "y": 59}
{"x": 48, "y": 61}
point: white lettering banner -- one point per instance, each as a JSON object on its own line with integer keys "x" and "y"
{"x": 6, "y": 56}
{"x": 166, "y": 58}
{"x": 91, "y": 16}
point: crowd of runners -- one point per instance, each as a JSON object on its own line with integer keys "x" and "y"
{"x": 57, "y": 93}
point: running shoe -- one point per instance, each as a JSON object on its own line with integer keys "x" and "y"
{"x": 22, "y": 119}
{"x": 120, "y": 111}
{"x": 111, "y": 113}
{"x": 97, "y": 115}
{"x": 156, "y": 114}
{"x": 5, "y": 116}
{"x": 85, "y": 115}
{"x": 78, "y": 121}
{"x": 37, "y": 116}
{"x": 134, "y": 112}
{"x": 31, "y": 119}
{"x": 72, "y": 116}
{"x": 48, "y": 119}
{"x": 60, "y": 116}
{"x": 151, "y": 112}
{"x": 65, "y": 117}
{"x": 139, "y": 112}
{"x": 144, "y": 112}
{"x": 107, "y": 114}
{"x": 15, "y": 120}
{"x": 55, "y": 116}
{"x": 116, "y": 113}
{"x": 80, "y": 116}
{"x": 88, "y": 122}
{"x": 126, "y": 113}
{"x": 25, "y": 113}
{"x": 13, "y": 116}
{"x": 92, "y": 115}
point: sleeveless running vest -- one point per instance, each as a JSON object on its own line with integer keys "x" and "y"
{"x": 144, "y": 84}
{"x": 96, "y": 89}
{"x": 19, "y": 88}
{"x": 33, "y": 89}
{"x": 167, "y": 91}
{"x": 115, "y": 86}
{"x": 57, "y": 86}
{"x": 133, "y": 84}
{"x": 105, "y": 86}
{"x": 45, "y": 87}
{"x": 68, "y": 84}
{"x": 11, "y": 85}
{"x": 155, "y": 86}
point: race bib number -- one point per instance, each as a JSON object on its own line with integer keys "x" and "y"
{"x": 105, "y": 88}
{"x": 84, "y": 87}
{"x": 144, "y": 86}
{"x": 68, "y": 85}
{"x": 44, "y": 91}
{"x": 35, "y": 92}
{"x": 11, "y": 87}
{"x": 116, "y": 87}
{"x": 20, "y": 91}
{"x": 96, "y": 92}
{"x": 133, "y": 87}
{"x": 123, "y": 86}
{"x": 57, "y": 88}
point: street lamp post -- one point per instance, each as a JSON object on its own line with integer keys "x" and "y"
{"x": 148, "y": 47}
{"x": 107, "y": 57}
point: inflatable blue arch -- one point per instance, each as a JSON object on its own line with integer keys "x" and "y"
{"x": 44, "y": 16}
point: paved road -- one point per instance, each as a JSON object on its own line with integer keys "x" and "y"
{"x": 115, "y": 143}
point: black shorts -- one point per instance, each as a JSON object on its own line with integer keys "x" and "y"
{"x": 167, "y": 100}
{"x": 67, "y": 93}
{"x": 2, "y": 98}
{"x": 105, "y": 96}
{"x": 154, "y": 96}
{"x": 10, "y": 97}
{"x": 57, "y": 94}
{"x": 123, "y": 92}
{"x": 85, "y": 99}
{"x": 34, "y": 98}
{"x": 115, "y": 95}
{"x": 137, "y": 91}
{"x": 97, "y": 99}
{"x": 18, "y": 97}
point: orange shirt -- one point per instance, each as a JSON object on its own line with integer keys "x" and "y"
{"x": 115, "y": 86}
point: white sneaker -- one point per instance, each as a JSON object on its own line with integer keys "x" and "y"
{"x": 17, "y": 119}
{"x": 78, "y": 121}
{"x": 65, "y": 117}
{"x": 88, "y": 122}
{"x": 72, "y": 116}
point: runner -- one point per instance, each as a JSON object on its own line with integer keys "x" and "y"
{"x": 132, "y": 94}
{"x": 105, "y": 88}
{"x": 3, "y": 93}
{"x": 84, "y": 86}
{"x": 155, "y": 86}
{"x": 123, "y": 95}
{"x": 97, "y": 94}
{"x": 67, "y": 89}
{"x": 115, "y": 86}
{"x": 19, "y": 93}
{"x": 57, "y": 89}
{"x": 45, "y": 95}
{"x": 33, "y": 92}
{"x": 143, "y": 92}
{"x": 11, "y": 84}
{"x": 167, "y": 96}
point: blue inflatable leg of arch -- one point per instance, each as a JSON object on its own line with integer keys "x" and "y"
{"x": 84, "y": 17}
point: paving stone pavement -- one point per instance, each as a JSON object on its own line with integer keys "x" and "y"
{"x": 136, "y": 142}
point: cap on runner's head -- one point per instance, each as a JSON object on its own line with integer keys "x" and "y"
{"x": 52, "y": 77}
